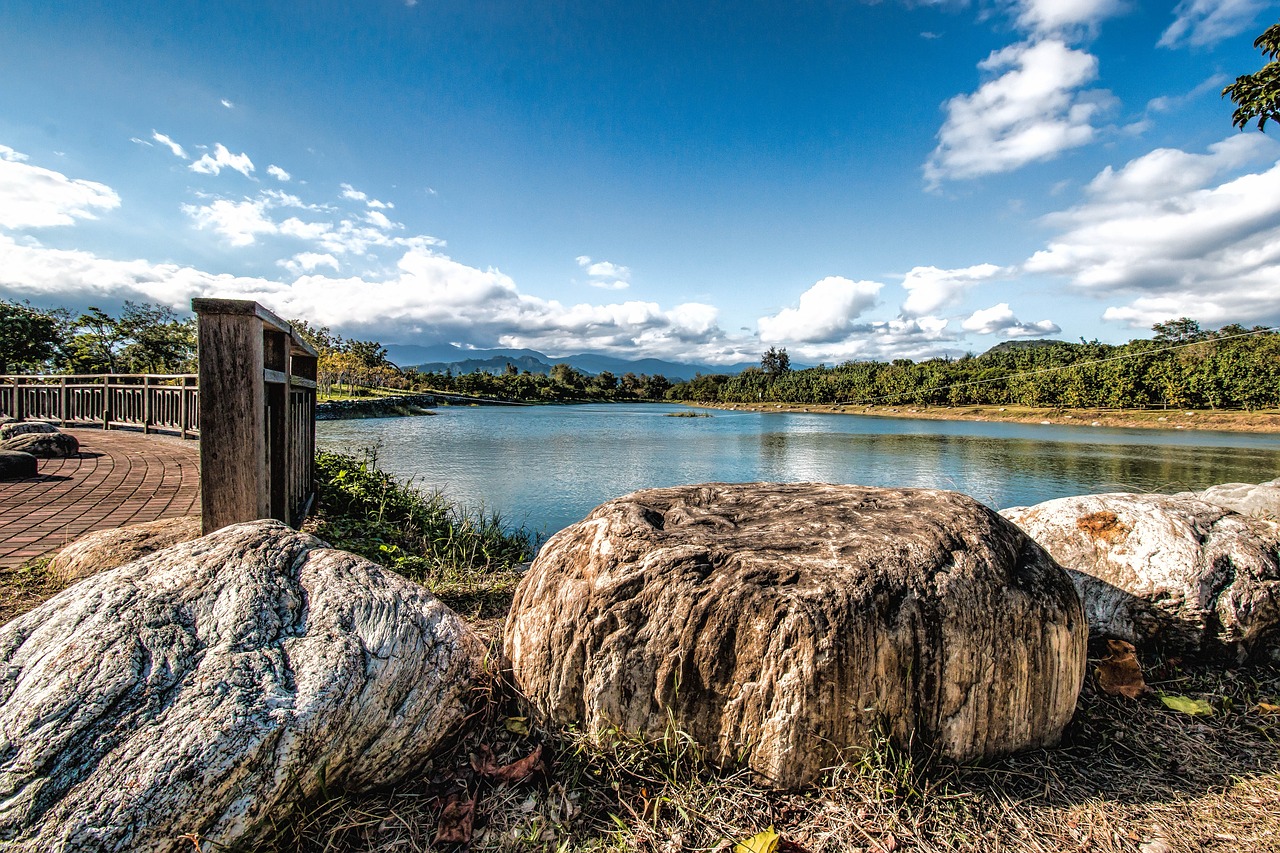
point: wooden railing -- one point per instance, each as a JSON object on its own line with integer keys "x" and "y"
{"x": 258, "y": 390}
{"x": 167, "y": 403}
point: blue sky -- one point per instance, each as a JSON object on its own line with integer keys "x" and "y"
{"x": 695, "y": 181}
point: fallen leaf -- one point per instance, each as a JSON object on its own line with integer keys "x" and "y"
{"x": 1187, "y": 705}
{"x": 517, "y": 725}
{"x": 1268, "y": 708}
{"x": 764, "y": 842}
{"x": 1119, "y": 673}
{"x": 484, "y": 765}
{"x": 1157, "y": 845}
{"x": 455, "y": 822}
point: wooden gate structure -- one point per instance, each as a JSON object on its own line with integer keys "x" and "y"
{"x": 252, "y": 405}
{"x": 258, "y": 395}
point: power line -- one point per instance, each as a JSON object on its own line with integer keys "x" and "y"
{"x": 1043, "y": 370}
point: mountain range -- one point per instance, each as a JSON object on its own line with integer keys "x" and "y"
{"x": 439, "y": 357}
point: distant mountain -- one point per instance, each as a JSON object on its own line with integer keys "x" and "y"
{"x": 440, "y": 357}
{"x": 1036, "y": 343}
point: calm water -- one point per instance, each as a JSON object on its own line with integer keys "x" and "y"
{"x": 546, "y": 466}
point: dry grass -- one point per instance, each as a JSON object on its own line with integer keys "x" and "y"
{"x": 26, "y": 587}
{"x": 1129, "y": 773}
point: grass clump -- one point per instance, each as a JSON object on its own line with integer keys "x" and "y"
{"x": 466, "y": 557}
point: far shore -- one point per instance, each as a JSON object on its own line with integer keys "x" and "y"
{"x": 1262, "y": 421}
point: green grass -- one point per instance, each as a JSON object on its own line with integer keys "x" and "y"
{"x": 466, "y": 557}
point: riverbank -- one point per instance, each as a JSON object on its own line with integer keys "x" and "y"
{"x": 1267, "y": 420}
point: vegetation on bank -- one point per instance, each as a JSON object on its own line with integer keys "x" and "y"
{"x": 467, "y": 557}
{"x": 1182, "y": 366}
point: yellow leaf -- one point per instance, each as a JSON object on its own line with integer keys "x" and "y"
{"x": 1187, "y": 705}
{"x": 1268, "y": 708}
{"x": 765, "y": 842}
{"x": 517, "y": 725}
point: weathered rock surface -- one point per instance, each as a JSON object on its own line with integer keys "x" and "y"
{"x": 46, "y": 445}
{"x": 1166, "y": 570}
{"x": 16, "y": 465}
{"x": 207, "y": 686}
{"x": 781, "y": 624}
{"x": 17, "y": 428}
{"x": 1260, "y": 501}
{"x": 106, "y": 549}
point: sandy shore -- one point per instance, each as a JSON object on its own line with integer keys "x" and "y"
{"x": 1267, "y": 420}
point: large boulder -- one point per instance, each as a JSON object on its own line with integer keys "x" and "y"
{"x": 1260, "y": 501}
{"x": 16, "y": 465}
{"x": 24, "y": 428}
{"x": 1166, "y": 570}
{"x": 106, "y": 549}
{"x": 46, "y": 445}
{"x": 784, "y": 624}
{"x": 202, "y": 689}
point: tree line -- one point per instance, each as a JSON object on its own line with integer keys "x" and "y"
{"x": 142, "y": 338}
{"x": 1182, "y": 366}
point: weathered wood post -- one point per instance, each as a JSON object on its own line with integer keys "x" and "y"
{"x": 246, "y": 374}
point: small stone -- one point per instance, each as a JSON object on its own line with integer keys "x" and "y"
{"x": 16, "y": 465}
{"x": 106, "y": 549}
{"x": 46, "y": 445}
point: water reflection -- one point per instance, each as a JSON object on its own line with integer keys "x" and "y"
{"x": 546, "y": 467}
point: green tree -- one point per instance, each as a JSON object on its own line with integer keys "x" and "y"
{"x": 775, "y": 362}
{"x": 28, "y": 337}
{"x": 1257, "y": 95}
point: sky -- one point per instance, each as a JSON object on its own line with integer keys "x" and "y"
{"x": 696, "y": 181}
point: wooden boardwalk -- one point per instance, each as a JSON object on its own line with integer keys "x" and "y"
{"x": 119, "y": 478}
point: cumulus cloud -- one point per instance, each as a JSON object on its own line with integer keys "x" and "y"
{"x": 604, "y": 274}
{"x": 308, "y": 262}
{"x": 227, "y": 103}
{"x": 427, "y": 294}
{"x": 826, "y": 312}
{"x": 930, "y": 289}
{"x": 1031, "y": 109}
{"x": 1179, "y": 236}
{"x": 35, "y": 197}
{"x": 278, "y": 173}
{"x": 223, "y": 159}
{"x": 176, "y": 149}
{"x": 1058, "y": 16}
{"x": 999, "y": 319}
{"x": 1200, "y": 23}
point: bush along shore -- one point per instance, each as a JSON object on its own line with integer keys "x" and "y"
{"x": 1165, "y": 752}
{"x": 376, "y": 407}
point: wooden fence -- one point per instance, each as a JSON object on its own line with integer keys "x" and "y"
{"x": 258, "y": 391}
{"x": 256, "y": 388}
{"x": 157, "y": 403}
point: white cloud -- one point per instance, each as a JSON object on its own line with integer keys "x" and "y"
{"x": 604, "y": 274}
{"x": 35, "y": 197}
{"x": 241, "y": 222}
{"x": 227, "y": 103}
{"x": 278, "y": 173}
{"x": 176, "y": 149}
{"x": 929, "y": 288}
{"x": 1166, "y": 171}
{"x": 1031, "y": 111}
{"x": 223, "y": 159}
{"x": 826, "y": 312}
{"x": 999, "y": 319}
{"x": 308, "y": 262}
{"x": 1046, "y": 17}
{"x": 1200, "y": 23}
{"x": 1158, "y": 230}
{"x": 354, "y": 194}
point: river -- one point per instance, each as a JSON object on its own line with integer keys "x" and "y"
{"x": 545, "y": 467}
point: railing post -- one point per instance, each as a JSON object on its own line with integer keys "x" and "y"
{"x": 146, "y": 405}
{"x": 62, "y": 401}
{"x": 17, "y": 399}
{"x": 233, "y": 451}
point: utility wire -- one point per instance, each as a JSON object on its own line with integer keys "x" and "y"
{"x": 1043, "y": 370}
